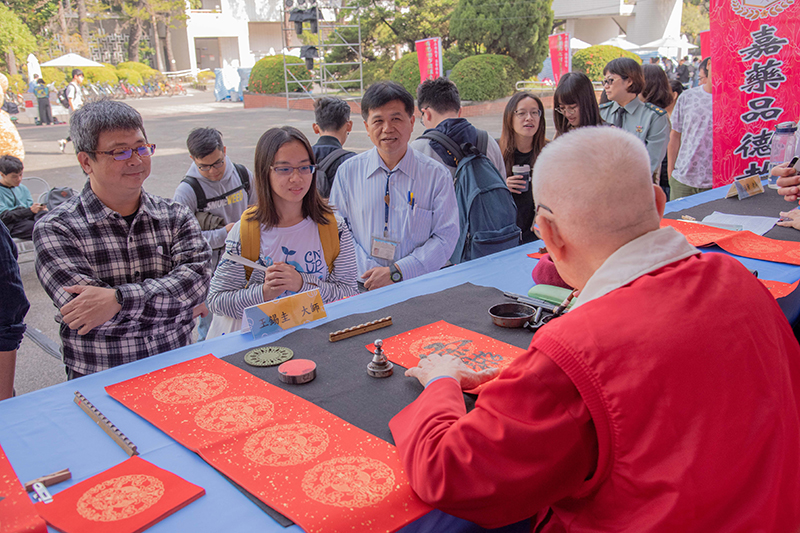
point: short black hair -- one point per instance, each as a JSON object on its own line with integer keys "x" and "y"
{"x": 440, "y": 94}
{"x": 40, "y": 81}
{"x": 381, "y": 93}
{"x": 676, "y": 86}
{"x": 94, "y": 118}
{"x": 203, "y": 141}
{"x": 704, "y": 66}
{"x": 331, "y": 113}
{"x": 10, "y": 165}
{"x": 77, "y": 72}
{"x": 628, "y": 69}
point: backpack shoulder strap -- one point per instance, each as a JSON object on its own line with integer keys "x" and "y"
{"x": 445, "y": 141}
{"x": 330, "y": 159}
{"x": 483, "y": 141}
{"x": 244, "y": 176}
{"x": 202, "y": 201}
{"x": 250, "y": 236}
{"x": 329, "y": 237}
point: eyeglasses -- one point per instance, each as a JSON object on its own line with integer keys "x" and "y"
{"x": 216, "y": 164}
{"x": 533, "y": 114}
{"x": 542, "y": 206}
{"x": 568, "y": 109}
{"x": 610, "y": 81}
{"x": 422, "y": 112}
{"x": 284, "y": 172}
{"x": 146, "y": 150}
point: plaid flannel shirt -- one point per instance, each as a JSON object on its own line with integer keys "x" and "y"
{"x": 160, "y": 264}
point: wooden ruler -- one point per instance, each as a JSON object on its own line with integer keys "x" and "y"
{"x": 359, "y": 329}
{"x": 105, "y": 424}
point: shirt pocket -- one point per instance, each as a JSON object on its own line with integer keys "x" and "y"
{"x": 420, "y": 223}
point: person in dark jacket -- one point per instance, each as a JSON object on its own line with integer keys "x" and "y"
{"x": 12, "y": 312}
{"x": 333, "y": 125}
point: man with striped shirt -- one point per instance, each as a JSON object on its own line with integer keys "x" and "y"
{"x": 399, "y": 203}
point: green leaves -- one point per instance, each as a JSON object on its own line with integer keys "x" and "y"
{"x": 15, "y": 35}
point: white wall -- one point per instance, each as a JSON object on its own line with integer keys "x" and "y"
{"x": 595, "y": 30}
{"x": 655, "y": 19}
{"x": 263, "y": 36}
{"x": 586, "y": 8}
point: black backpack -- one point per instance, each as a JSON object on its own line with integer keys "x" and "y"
{"x": 62, "y": 98}
{"x": 486, "y": 210}
{"x": 324, "y": 181}
{"x": 202, "y": 201}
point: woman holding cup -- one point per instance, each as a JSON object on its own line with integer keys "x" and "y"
{"x": 521, "y": 142}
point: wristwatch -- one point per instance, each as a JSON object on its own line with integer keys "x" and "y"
{"x": 395, "y": 273}
{"x": 118, "y": 294}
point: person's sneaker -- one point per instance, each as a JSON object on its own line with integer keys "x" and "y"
{"x": 62, "y": 143}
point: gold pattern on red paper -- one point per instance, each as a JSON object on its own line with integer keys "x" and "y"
{"x": 190, "y": 388}
{"x": 232, "y": 415}
{"x": 286, "y": 444}
{"x": 120, "y": 498}
{"x": 760, "y": 9}
{"x": 349, "y": 482}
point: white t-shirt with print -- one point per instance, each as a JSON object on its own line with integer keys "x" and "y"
{"x": 693, "y": 119}
{"x": 298, "y": 245}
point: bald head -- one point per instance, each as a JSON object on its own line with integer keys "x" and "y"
{"x": 598, "y": 184}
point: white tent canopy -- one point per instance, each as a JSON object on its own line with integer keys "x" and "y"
{"x": 620, "y": 42}
{"x": 577, "y": 44}
{"x": 71, "y": 60}
{"x": 667, "y": 42}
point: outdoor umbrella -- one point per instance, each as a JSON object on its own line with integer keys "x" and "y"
{"x": 577, "y": 44}
{"x": 667, "y": 42}
{"x": 33, "y": 67}
{"x": 620, "y": 42}
{"x": 71, "y": 60}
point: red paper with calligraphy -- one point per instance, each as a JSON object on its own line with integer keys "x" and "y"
{"x": 560, "y": 57}
{"x": 127, "y": 498}
{"x": 755, "y": 45}
{"x": 17, "y": 513}
{"x": 311, "y": 466}
{"x": 429, "y": 56}
{"x": 477, "y": 351}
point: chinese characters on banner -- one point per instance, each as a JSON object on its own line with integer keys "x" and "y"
{"x": 560, "y": 56}
{"x": 754, "y": 46}
{"x": 429, "y": 55}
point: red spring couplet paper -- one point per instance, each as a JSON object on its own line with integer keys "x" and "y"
{"x": 127, "y": 498}
{"x": 309, "y": 465}
{"x": 778, "y": 289}
{"x": 477, "y": 351}
{"x": 17, "y": 513}
{"x": 744, "y": 243}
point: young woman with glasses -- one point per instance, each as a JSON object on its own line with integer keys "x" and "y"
{"x": 293, "y": 224}
{"x": 521, "y": 143}
{"x": 575, "y": 103}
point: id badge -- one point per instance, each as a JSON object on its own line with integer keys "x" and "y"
{"x": 382, "y": 248}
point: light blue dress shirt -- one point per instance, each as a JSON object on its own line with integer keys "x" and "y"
{"x": 426, "y": 234}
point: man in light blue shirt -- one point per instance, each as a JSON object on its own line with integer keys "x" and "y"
{"x": 399, "y": 203}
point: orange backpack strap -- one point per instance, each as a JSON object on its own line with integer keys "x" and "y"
{"x": 329, "y": 237}
{"x": 250, "y": 236}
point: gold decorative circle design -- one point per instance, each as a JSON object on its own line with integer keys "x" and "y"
{"x": 268, "y": 356}
{"x": 231, "y": 415}
{"x": 286, "y": 444}
{"x": 441, "y": 344}
{"x": 190, "y": 388}
{"x": 349, "y": 482}
{"x": 120, "y": 498}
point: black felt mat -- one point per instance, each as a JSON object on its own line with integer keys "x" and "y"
{"x": 342, "y": 386}
{"x": 768, "y": 204}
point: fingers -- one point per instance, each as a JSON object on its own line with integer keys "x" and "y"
{"x": 75, "y": 289}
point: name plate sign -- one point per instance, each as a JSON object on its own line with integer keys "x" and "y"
{"x": 283, "y": 313}
{"x": 746, "y": 187}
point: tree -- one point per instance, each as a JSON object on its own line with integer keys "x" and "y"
{"x": 516, "y": 28}
{"x": 694, "y": 20}
{"x": 16, "y": 40}
{"x": 36, "y": 14}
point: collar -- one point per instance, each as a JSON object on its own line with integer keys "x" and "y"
{"x": 97, "y": 211}
{"x": 641, "y": 256}
{"x": 633, "y": 105}
{"x": 375, "y": 163}
{"x": 328, "y": 140}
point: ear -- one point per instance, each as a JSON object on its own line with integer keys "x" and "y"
{"x": 427, "y": 114}
{"x": 85, "y": 162}
{"x": 348, "y": 126}
{"x": 459, "y": 111}
{"x": 225, "y": 150}
{"x": 316, "y": 128}
{"x": 661, "y": 200}
{"x": 551, "y": 237}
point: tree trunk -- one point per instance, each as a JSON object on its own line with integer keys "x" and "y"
{"x": 11, "y": 61}
{"x": 62, "y": 22}
{"x": 168, "y": 43}
{"x": 83, "y": 22}
{"x": 156, "y": 43}
{"x": 134, "y": 36}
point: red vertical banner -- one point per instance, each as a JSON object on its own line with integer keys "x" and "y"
{"x": 429, "y": 55}
{"x": 560, "y": 57}
{"x": 754, "y": 48}
{"x": 705, "y": 43}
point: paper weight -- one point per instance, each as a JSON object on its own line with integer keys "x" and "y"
{"x": 297, "y": 371}
{"x": 268, "y": 356}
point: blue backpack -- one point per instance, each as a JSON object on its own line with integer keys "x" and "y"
{"x": 486, "y": 210}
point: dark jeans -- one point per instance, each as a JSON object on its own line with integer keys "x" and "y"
{"x": 71, "y": 374}
{"x": 45, "y": 111}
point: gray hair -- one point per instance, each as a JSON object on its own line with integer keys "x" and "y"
{"x": 91, "y": 120}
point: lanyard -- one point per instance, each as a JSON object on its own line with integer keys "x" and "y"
{"x": 386, "y": 204}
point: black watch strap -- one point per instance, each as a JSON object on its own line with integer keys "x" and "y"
{"x": 118, "y": 294}
{"x": 395, "y": 274}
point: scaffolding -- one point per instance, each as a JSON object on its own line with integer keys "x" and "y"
{"x": 327, "y": 20}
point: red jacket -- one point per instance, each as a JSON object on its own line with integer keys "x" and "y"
{"x": 692, "y": 378}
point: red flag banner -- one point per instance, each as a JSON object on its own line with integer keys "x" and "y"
{"x": 429, "y": 55}
{"x": 560, "y": 56}
{"x": 754, "y": 45}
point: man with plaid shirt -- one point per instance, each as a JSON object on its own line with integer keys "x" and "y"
{"x": 127, "y": 270}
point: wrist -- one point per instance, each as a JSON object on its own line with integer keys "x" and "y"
{"x": 395, "y": 274}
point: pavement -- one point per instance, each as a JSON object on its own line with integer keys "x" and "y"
{"x": 168, "y": 121}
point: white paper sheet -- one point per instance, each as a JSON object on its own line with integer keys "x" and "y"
{"x": 758, "y": 225}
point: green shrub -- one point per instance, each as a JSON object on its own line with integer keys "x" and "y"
{"x": 206, "y": 76}
{"x": 591, "y": 61}
{"x": 267, "y": 76}
{"x": 17, "y": 84}
{"x": 100, "y": 75}
{"x": 130, "y": 76}
{"x": 148, "y": 74}
{"x": 452, "y": 56}
{"x": 55, "y": 75}
{"x": 485, "y": 77}
{"x": 405, "y": 71}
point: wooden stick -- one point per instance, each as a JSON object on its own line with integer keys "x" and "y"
{"x": 49, "y": 479}
{"x": 359, "y": 329}
{"x": 105, "y": 424}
